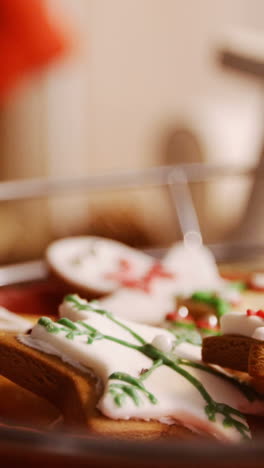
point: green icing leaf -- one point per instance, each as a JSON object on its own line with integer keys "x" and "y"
{"x": 132, "y": 386}
{"x": 220, "y": 305}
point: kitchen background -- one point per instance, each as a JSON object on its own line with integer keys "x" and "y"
{"x": 141, "y": 85}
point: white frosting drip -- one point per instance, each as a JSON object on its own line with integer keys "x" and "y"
{"x": 236, "y": 323}
{"x": 13, "y": 322}
{"x": 178, "y": 399}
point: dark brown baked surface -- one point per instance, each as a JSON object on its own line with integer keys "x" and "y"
{"x": 230, "y": 351}
{"x": 240, "y": 353}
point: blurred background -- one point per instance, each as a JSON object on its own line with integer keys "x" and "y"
{"x": 132, "y": 84}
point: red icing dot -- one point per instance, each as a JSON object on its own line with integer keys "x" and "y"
{"x": 171, "y": 316}
{"x": 258, "y": 313}
{"x": 250, "y": 312}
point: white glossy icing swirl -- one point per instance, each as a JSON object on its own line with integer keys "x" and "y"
{"x": 236, "y": 323}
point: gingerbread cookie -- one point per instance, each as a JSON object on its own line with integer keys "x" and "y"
{"x": 113, "y": 376}
{"x": 96, "y": 266}
{"x": 241, "y": 345}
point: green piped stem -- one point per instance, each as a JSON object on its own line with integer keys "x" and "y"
{"x": 92, "y": 308}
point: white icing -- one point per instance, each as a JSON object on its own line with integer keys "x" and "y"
{"x": 257, "y": 280}
{"x": 195, "y": 267}
{"x": 231, "y": 295}
{"x": 163, "y": 342}
{"x": 138, "y": 306}
{"x": 178, "y": 399}
{"x": 236, "y": 323}
{"x": 259, "y": 334}
{"x": 212, "y": 321}
{"x": 183, "y": 312}
{"x": 12, "y": 322}
{"x": 69, "y": 309}
{"x": 47, "y": 348}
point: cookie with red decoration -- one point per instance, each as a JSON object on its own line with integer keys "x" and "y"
{"x": 95, "y": 266}
{"x": 204, "y": 304}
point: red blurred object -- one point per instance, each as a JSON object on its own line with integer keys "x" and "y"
{"x": 258, "y": 313}
{"x": 28, "y": 40}
{"x": 40, "y": 298}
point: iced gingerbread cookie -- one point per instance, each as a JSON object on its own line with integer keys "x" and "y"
{"x": 241, "y": 345}
{"x": 97, "y": 266}
{"x": 130, "y": 380}
{"x": 201, "y": 289}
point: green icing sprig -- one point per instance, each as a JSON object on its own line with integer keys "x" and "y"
{"x": 120, "y": 391}
{"x": 212, "y": 407}
{"x": 93, "y": 307}
{"x": 71, "y": 329}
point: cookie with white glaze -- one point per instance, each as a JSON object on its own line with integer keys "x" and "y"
{"x": 74, "y": 393}
{"x": 94, "y": 266}
{"x": 135, "y": 374}
{"x": 241, "y": 345}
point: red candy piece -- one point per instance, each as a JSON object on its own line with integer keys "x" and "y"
{"x": 250, "y": 312}
{"x": 258, "y": 313}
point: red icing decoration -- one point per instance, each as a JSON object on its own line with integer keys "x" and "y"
{"x": 258, "y": 313}
{"x": 124, "y": 277}
{"x": 250, "y": 312}
{"x": 206, "y": 324}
